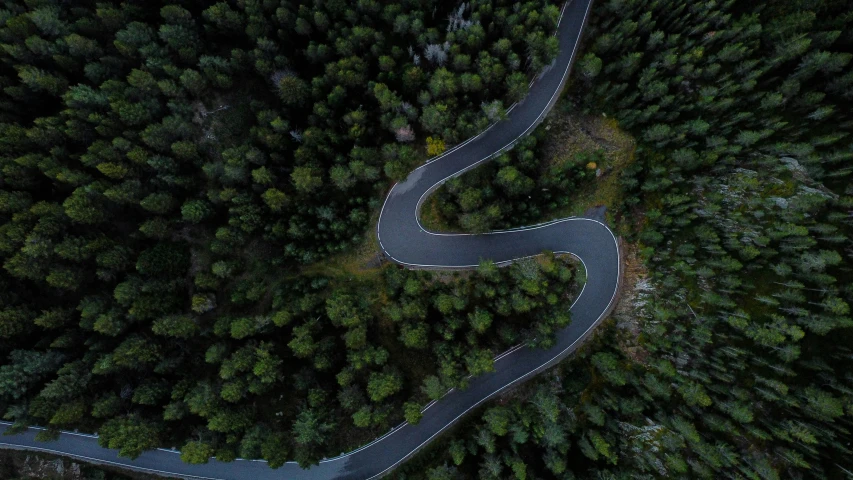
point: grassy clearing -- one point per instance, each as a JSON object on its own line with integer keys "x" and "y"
{"x": 571, "y": 134}
{"x": 361, "y": 262}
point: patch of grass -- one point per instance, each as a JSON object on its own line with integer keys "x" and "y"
{"x": 431, "y": 217}
{"x": 361, "y": 262}
{"x": 572, "y": 134}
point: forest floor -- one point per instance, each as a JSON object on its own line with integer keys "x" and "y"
{"x": 571, "y": 134}
{"x": 16, "y": 464}
{"x": 636, "y": 290}
{"x": 361, "y": 261}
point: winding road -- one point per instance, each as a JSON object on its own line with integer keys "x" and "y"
{"x": 406, "y": 242}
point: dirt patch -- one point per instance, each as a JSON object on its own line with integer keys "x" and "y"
{"x": 375, "y": 261}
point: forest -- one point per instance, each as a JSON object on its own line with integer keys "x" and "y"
{"x": 734, "y": 359}
{"x": 177, "y": 183}
{"x": 188, "y": 190}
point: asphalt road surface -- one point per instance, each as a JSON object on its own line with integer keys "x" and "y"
{"x": 404, "y": 241}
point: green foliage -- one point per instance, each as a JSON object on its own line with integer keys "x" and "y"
{"x": 504, "y": 193}
{"x": 196, "y": 452}
{"x": 129, "y": 435}
{"x": 412, "y": 412}
{"x": 590, "y": 66}
{"x": 382, "y": 385}
{"x": 732, "y": 358}
{"x": 195, "y": 211}
{"x": 169, "y": 172}
{"x": 292, "y": 90}
{"x": 309, "y": 428}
